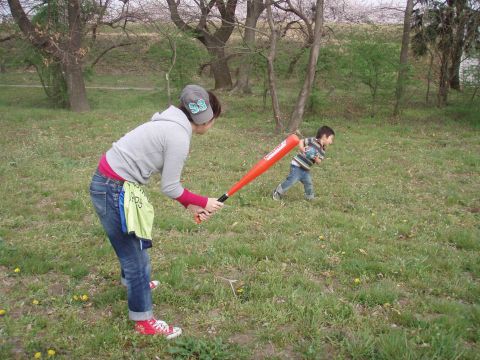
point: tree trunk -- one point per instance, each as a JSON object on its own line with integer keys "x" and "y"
{"x": 402, "y": 71}
{"x": 77, "y": 95}
{"x": 214, "y": 42}
{"x": 297, "y": 115}
{"x": 458, "y": 44}
{"x": 295, "y": 59}
{"x": 254, "y": 10}
{"x": 272, "y": 83}
{"x": 443, "y": 81}
{"x": 429, "y": 78}
{"x": 220, "y": 69}
{"x": 445, "y": 49}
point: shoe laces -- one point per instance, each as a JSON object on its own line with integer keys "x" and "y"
{"x": 159, "y": 325}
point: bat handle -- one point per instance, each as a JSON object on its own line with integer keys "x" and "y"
{"x": 221, "y": 199}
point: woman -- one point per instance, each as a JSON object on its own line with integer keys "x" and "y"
{"x": 158, "y": 146}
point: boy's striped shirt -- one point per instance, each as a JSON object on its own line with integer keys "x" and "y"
{"x": 313, "y": 149}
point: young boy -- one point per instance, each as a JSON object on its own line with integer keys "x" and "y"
{"x": 312, "y": 151}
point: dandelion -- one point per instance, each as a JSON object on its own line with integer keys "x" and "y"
{"x": 357, "y": 281}
{"x": 35, "y": 302}
{"x": 85, "y": 297}
{"x": 38, "y": 355}
{"x": 75, "y": 297}
{"x": 240, "y": 290}
{"x": 51, "y": 352}
{"x": 2, "y": 312}
{"x": 321, "y": 237}
{"x": 17, "y": 270}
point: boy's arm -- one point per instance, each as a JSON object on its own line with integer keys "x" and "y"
{"x": 301, "y": 145}
{"x": 317, "y": 160}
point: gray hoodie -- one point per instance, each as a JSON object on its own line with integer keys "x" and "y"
{"x": 159, "y": 146}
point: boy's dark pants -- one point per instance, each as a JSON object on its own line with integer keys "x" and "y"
{"x": 297, "y": 174}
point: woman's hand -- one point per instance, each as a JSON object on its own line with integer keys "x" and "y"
{"x": 213, "y": 205}
{"x": 202, "y": 214}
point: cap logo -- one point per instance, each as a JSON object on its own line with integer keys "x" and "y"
{"x": 197, "y": 107}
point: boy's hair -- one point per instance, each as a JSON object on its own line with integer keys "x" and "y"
{"x": 214, "y": 103}
{"x": 325, "y": 130}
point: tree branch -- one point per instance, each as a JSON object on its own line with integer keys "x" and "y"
{"x": 9, "y": 37}
{"x": 104, "y": 52}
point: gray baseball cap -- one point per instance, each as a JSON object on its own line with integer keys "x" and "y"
{"x": 197, "y": 102}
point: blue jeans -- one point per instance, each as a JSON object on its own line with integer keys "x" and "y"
{"x": 297, "y": 174}
{"x": 134, "y": 262}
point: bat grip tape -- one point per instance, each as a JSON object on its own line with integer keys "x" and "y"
{"x": 223, "y": 198}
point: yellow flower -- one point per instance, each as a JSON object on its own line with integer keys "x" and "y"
{"x": 240, "y": 290}
{"x": 35, "y": 302}
{"x": 38, "y": 355}
{"x": 2, "y": 312}
{"x": 75, "y": 297}
{"x": 321, "y": 237}
{"x": 84, "y": 297}
{"x": 50, "y": 352}
{"x": 357, "y": 281}
{"x": 17, "y": 270}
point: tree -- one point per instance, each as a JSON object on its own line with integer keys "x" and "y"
{"x": 300, "y": 20}
{"x": 403, "y": 68}
{"x": 58, "y": 30}
{"x": 297, "y": 115}
{"x": 214, "y": 38}
{"x": 64, "y": 47}
{"x": 254, "y": 10}
{"x": 271, "y": 69}
{"x": 372, "y": 63}
{"x": 449, "y": 29}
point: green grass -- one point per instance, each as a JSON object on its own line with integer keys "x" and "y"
{"x": 397, "y": 207}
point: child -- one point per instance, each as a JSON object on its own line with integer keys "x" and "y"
{"x": 312, "y": 151}
{"x": 159, "y": 146}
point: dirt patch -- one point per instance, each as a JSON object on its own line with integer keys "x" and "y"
{"x": 242, "y": 339}
{"x": 270, "y": 350}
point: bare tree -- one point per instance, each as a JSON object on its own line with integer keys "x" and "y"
{"x": 402, "y": 71}
{"x": 299, "y": 21}
{"x": 458, "y": 40}
{"x": 449, "y": 29}
{"x": 61, "y": 37}
{"x": 68, "y": 52}
{"x": 270, "y": 67}
{"x": 254, "y": 10}
{"x": 297, "y": 115}
{"x": 208, "y": 32}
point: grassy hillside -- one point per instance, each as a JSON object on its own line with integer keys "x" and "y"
{"x": 383, "y": 264}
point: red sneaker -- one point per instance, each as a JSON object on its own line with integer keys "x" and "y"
{"x": 157, "y": 327}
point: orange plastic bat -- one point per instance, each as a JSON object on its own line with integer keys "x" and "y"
{"x": 259, "y": 168}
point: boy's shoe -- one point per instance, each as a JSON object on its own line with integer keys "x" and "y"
{"x": 154, "y": 284}
{"x": 157, "y": 327}
{"x": 276, "y": 195}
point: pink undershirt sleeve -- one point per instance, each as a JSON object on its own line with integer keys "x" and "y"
{"x": 189, "y": 198}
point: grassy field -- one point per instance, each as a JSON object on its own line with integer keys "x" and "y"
{"x": 383, "y": 264}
